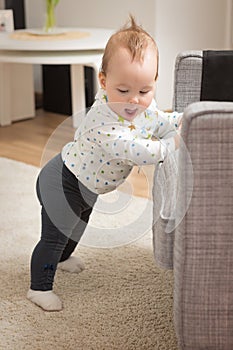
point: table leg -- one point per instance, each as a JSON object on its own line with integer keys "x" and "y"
{"x": 77, "y": 93}
{"x": 96, "y": 66}
{"x": 16, "y": 92}
{"x": 5, "y": 97}
{"x": 78, "y": 88}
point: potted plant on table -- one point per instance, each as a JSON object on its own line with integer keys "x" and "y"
{"x": 50, "y": 20}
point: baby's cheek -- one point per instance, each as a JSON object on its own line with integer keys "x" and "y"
{"x": 147, "y": 103}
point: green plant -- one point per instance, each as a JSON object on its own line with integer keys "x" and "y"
{"x": 50, "y": 14}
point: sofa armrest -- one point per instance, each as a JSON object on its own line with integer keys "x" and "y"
{"x": 203, "y": 247}
{"x": 187, "y": 79}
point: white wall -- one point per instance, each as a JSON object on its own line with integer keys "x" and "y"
{"x": 176, "y": 25}
{"x": 185, "y": 25}
{"x": 106, "y": 13}
{"x": 89, "y": 13}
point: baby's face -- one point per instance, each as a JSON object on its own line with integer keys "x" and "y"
{"x": 130, "y": 85}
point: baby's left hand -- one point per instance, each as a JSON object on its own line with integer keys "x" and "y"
{"x": 180, "y": 125}
{"x": 177, "y": 140}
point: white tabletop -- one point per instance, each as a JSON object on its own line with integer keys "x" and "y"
{"x": 51, "y": 50}
{"x": 96, "y": 40}
{"x": 51, "y": 57}
{"x": 69, "y": 48}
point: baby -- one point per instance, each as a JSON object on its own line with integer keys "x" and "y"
{"x": 123, "y": 128}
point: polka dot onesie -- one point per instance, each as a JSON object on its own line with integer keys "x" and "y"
{"x": 106, "y": 146}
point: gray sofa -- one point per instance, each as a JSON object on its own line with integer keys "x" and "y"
{"x": 199, "y": 248}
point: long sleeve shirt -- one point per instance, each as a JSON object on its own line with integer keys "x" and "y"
{"x": 106, "y": 146}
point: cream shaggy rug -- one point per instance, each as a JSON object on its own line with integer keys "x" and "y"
{"x": 121, "y": 301}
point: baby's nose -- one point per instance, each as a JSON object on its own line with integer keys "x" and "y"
{"x": 134, "y": 99}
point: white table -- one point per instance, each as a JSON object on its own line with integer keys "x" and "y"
{"x": 17, "y": 58}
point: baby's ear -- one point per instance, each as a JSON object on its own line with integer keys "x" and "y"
{"x": 102, "y": 80}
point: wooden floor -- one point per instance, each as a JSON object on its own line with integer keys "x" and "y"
{"x": 35, "y": 141}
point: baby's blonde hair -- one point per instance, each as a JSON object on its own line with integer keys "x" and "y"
{"x": 132, "y": 37}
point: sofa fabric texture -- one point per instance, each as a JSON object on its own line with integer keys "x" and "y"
{"x": 203, "y": 245}
{"x": 187, "y": 79}
{"x": 200, "y": 248}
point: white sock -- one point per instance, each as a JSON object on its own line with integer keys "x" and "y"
{"x": 47, "y": 300}
{"x": 73, "y": 264}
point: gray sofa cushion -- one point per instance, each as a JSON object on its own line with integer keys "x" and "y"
{"x": 187, "y": 89}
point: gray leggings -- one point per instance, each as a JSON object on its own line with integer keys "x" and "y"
{"x": 66, "y": 207}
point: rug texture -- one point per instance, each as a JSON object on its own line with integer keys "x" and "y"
{"x": 121, "y": 301}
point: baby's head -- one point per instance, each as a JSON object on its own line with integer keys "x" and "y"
{"x": 129, "y": 69}
{"x": 133, "y": 38}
